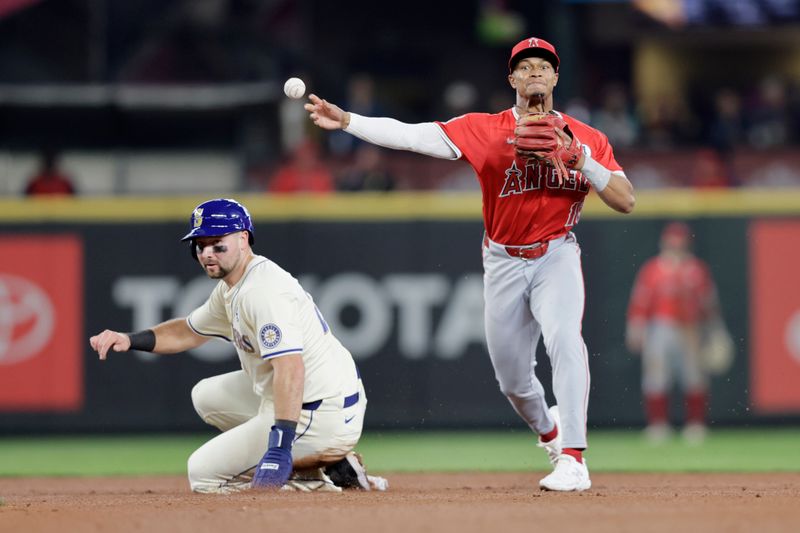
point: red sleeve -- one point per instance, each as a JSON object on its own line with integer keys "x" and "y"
{"x": 604, "y": 154}
{"x": 468, "y": 134}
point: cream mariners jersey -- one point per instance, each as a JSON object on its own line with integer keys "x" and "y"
{"x": 267, "y": 315}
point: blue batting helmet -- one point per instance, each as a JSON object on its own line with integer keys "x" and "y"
{"x": 219, "y": 217}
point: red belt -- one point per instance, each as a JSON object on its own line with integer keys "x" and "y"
{"x": 531, "y": 251}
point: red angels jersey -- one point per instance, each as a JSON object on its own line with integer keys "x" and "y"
{"x": 523, "y": 204}
{"x": 677, "y": 291}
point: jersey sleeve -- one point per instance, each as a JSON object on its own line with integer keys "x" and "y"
{"x": 467, "y": 136}
{"x": 210, "y": 319}
{"x": 276, "y": 320}
{"x": 603, "y": 153}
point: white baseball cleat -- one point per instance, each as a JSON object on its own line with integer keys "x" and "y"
{"x": 310, "y": 480}
{"x": 658, "y": 433}
{"x": 553, "y": 447}
{"x": 694, "y": 433}
{"x": 378, "y": 483}
{"x": 569, "y": 475}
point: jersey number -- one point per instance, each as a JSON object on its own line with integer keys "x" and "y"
{"x": 574, "y": 214}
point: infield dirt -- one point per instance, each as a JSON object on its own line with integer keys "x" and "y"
{"x": 443, "y": 503}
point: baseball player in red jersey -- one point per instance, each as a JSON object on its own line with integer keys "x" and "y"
{"x": 533, "y": 285}
{"x": 673, "y": 299}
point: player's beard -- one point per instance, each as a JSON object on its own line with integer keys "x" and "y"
{"x": 219, "y": 273}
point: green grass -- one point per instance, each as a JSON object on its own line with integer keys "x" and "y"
{"x": 764, "y": 449}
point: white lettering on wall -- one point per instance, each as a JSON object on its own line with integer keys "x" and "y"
{"x": 148, "y": 297}
{"x": 429, "y": 315}
{"x": 416, "y": 295}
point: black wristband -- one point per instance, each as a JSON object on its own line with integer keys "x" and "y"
{"x": 144, "y": 341}
{"x": 286, "y": 424}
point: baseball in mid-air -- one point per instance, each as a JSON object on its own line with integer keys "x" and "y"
{"x": 294, "y": 88}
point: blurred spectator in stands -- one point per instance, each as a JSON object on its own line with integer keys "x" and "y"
{"x": 360, "y": 99}
{"x": 578, "y": 108}
{"x": 668, "y": 122}
{"x": 727, "y": 127}
{"x": 779, "y": 173}
{"x": 303, "y": 171}
{"x": 767, "y": 170}
{"x": 459, "y": 97}
{"x": 770, "y": 119}
{"x": 709, "y": 170}
{"x": 615, "y": 118}
{"x": 367, "y": 173}
{"x": 49, "y": 180}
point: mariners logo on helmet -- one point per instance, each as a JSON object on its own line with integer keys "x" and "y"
{"x": 198, "y": 217}
{"x": 219, "y": 217}
{"x": 216, "y": 218}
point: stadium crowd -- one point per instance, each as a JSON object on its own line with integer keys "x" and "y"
{"x": 739, "y": 131}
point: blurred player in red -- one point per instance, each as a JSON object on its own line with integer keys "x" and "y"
{"x": 49, "y": 180}
{"x": 673, "y": 299}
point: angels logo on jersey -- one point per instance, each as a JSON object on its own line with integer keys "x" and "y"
{"x": 518, "y": 182}
{"x": 270, "y": 336}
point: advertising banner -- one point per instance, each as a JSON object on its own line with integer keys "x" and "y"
{"x": 41, "y": 323}
{"x": 405, "y": 296}
{"x": 775, "y": 316}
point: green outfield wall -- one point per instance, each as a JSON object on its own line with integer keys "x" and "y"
{"x": 398, "y": 278}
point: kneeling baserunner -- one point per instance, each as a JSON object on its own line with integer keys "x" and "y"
{"x": 294, "y": 412}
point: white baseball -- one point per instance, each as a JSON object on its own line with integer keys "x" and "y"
{"x": 294, "y": 88}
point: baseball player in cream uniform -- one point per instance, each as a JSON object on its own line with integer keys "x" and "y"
{"x": 294, "y": 412}
{"x": 533, "y": 283}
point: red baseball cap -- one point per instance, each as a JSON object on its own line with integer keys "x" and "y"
{"x": 533, "y": 47}
{"x": 676, "y": 229}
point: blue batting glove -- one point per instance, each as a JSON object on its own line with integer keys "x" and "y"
{"x": 275, "y": 467}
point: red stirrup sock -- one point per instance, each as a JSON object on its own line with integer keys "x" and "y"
{"x": 550, "y": 435}
{"x": 656, "y": 407}
{"x": 574, "y": 452}
{"x": 696, "y": 407}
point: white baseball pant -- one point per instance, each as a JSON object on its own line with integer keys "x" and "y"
{"x": 225, "y": 463}
{"x": 671, "y": 351}
{"x": 526, "y": 299}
